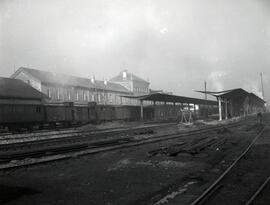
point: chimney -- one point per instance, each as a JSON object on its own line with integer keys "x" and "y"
{"x": 105, "y": 82}
{"x": 93, "y": 79}
{"x": 124, "y": 74}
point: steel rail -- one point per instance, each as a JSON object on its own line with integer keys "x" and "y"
{"x": 255, "y": 195}
{"x": 209, "y": 191}
{"x": 30, "y": 136}
{"x": 81, "y": 136}
{"x": 87, "y": 138}
{"x": 112, "y": 146}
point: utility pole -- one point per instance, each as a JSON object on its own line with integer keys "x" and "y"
{"x": 205, "y": 90}
{"x": 205, "y": 96}
{"x": 262, "y": 86}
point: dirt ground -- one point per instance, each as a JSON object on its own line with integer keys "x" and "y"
{"x": 127, "y": 176}
{"x": 108, "y": 125}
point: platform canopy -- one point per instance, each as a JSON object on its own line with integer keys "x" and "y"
{"x": 233, "y": 94}
{"x": 161, "y": 97}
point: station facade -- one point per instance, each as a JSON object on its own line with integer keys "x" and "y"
{"x": 129, "y": 89}
{"x": 66, "y": 88}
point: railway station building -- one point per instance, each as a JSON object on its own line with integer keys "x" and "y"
{"x": 66, "y": 88}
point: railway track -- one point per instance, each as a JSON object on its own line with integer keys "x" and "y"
{"x": 257, "y": 196}
{"x": 24, "y": 138}
{"x": 73, "y": 129}
{"x": 38, "y": 131}
{"x": 234, "y": 185}
{"x": 57, "y": 149}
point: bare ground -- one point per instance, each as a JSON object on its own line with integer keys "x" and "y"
{"x": 127, "y": 176}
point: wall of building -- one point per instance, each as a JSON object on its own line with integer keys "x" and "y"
{"x": 59, "y": 93}
{"x": 140, "y": 88}
{"x": 29, "y": 80}
{"x": 84, "y": 95}
{"x": 242, "y": 106}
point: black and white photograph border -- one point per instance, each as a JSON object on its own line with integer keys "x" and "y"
{"x": 109, "y": 102}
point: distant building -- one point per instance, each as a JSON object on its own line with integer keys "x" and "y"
{"x": 64, "y": 88}
{"x": 131, "y": 82}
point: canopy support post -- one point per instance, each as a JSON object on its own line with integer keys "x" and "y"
{"x": 226, "y": 109}
{"x": 219, "y": 108}
{"x": 141, "y": 105}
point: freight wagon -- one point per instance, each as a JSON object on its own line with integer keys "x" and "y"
{"x": 29, "y": 116}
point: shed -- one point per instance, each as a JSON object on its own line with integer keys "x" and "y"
{"x": 236, "y": 102}
{"x": 17, "y": 91}
{"x": 166, "y": 98}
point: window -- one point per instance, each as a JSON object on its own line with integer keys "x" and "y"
{"x": 68, "y": 95}
{"x": 38, "y": 109}
{"x": 93, "y": 97}
{"x": 88, "y": 96}
{"x": 84, "y": 96}
{"x": 104, "y": 98}
{"x": 110, "y": 98}
{"x": 49, "y": 92}
{"x": 58, "y": 94}
{"x": 77, "y": 96}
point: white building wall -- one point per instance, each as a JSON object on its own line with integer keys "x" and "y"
{"x": 29, "y": 80}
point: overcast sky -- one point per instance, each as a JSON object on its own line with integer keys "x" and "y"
{"x": 177, "y": 44}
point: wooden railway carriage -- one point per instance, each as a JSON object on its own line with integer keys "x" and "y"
{"x": 92, "y": 114}
{"x": 67, "y": 113}
{"x": 131, "y": 113}
{"x": 105, "y": 112}
{"x": 82, "y": 113}
{"x": 17, "y": 114}
{"x": 58, "y": 113}
{"x": 122, "y": 113}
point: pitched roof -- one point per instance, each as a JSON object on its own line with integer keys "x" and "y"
{"x": 256, "y": 98}
{"x": 172, "y": 98}
{"x": 129, "y": 77}
{"x": 14, "y": 88}
{"x": 63, "y": 79}
{"x": 234, "y": 93}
